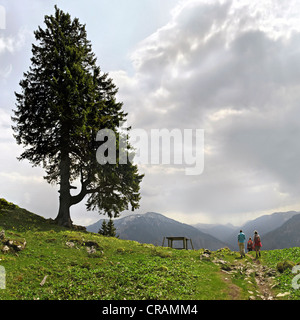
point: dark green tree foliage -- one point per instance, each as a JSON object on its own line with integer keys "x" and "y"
{"x": 103, "y": 230}
{"x": 65, "y": 101}
{"x": 111, "y": 230}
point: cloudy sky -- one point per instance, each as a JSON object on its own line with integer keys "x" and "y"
{"x": 231, "y": 68}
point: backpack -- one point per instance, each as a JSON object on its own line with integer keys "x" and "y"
{"x": 257, "y": 239}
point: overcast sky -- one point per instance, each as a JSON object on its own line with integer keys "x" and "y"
{"x": 231, "y": 68}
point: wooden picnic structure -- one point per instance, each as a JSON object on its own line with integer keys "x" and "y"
{"x": 183, "y": 239}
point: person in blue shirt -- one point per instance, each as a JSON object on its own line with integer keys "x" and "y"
{"x": 241, "y": 242}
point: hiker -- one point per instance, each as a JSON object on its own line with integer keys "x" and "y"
{"x": 249, "y": 245}
{"x": 257, "y": 244}
{"x": 241, "y": 242}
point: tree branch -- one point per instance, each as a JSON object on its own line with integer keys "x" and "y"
{"x": 93, "y": 190}
{"x": 83, "y": 192}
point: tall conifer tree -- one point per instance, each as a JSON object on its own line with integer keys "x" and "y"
{"x": 65, "y": 101}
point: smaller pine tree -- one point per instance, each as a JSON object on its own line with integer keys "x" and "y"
{"x": 103, "y": 230}
{"x": 111, "y": 230}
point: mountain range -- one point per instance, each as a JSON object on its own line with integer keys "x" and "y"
{"x": 152, "y": 227}
{"x": 286, "y": 236}
{"x": 278, "y": 230}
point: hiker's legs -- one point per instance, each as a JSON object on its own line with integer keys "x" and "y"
{"x": 257, "y": 252}
{"x": 242, "y": 249}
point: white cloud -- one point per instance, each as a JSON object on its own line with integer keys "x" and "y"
{"x": 231, "y": 68}
{"x": 14, "y": 43}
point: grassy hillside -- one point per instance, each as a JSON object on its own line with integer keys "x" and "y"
{"x": 59, "y": 263}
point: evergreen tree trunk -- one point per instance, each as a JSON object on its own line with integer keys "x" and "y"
{"x": 63, "y": 217}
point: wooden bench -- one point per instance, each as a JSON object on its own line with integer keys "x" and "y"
{"x": 183, "y": 239}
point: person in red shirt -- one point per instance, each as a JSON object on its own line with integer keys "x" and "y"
{"x": 257, "y": 244}
{"x": 250, "y": 245}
